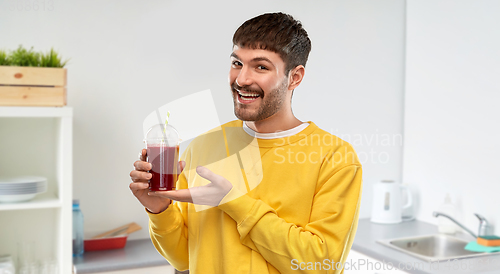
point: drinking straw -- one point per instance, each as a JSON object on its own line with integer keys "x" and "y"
{"x": 165, "y": 127}
{"x": 166, "y": 122}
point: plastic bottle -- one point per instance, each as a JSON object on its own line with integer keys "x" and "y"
{"x": 446, "y": 225}
{"x": 77, "y": 229}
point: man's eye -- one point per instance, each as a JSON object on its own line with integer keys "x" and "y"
{"x": 236, "y": 63}
{"x": 261, "y": 68}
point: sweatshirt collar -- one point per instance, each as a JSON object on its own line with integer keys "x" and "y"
{"x": 280, "y": 141}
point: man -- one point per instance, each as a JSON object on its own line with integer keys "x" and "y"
{"x": 267, "y": 193}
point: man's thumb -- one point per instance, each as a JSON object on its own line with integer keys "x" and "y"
{"x": 206, "y": 173}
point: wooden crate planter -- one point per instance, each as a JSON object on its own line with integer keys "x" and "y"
{"x": 32, "y": 86}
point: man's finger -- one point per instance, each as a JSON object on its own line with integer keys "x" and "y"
{"x": 181, "y": 195}
{"x": 143, "y": 155}
{"x": 138, "y": 186}
{"x": 206, "y": 173}
{"x": 138, "y": 176}
{"x": 142, "y": 166}
{"x": 180, "y": 166}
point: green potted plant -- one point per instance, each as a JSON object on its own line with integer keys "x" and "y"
{"x": 30, "y": 78}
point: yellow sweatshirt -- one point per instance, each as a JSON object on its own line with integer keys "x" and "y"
{"x": 293, "y": 207}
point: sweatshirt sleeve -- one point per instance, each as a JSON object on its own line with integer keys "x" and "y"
{"x": 326, "y": 238}
{"x": 169, "y": 233}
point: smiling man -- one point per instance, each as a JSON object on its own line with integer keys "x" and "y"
{"x": 266, "y": 193}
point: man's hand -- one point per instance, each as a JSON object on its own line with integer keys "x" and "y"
{"x": 140, "y": 185}
{"x": 210, "y": 194}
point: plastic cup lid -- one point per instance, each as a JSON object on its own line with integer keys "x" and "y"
{"x": 159, "y": 134}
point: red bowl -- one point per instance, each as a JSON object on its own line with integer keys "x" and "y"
{"x": 105, "y": 243}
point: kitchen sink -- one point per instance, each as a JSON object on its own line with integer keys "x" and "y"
{"x": 436, "y": 247}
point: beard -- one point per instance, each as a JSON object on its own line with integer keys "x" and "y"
{"x": 270, "y": 102}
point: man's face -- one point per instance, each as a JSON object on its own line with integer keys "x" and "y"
{"x": 258, "y": 83}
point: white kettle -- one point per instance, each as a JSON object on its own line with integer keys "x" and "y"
{"x": 387, "y": 202}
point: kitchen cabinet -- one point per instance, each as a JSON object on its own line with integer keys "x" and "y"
{"x": 358, "y": 263}
{"x": 38, "y": 141}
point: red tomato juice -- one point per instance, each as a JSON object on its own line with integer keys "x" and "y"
{"x": 164, "y": 172}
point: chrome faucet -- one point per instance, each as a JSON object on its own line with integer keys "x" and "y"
{"x": 484, "y": 227}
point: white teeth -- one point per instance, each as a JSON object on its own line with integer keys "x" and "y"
{"x": 248, "y": 94}
{"x": 249, "y": 99}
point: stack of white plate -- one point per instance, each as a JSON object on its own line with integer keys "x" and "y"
{"x": 21, "y": 188}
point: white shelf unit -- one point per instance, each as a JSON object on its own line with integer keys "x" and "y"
{"x": 39, "y": 141}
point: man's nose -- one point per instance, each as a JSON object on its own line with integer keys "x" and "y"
{"x": 244, "y": 78}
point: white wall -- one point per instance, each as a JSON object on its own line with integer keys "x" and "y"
{"x": 130, "y": 57}
{"x": 451, "y": 106}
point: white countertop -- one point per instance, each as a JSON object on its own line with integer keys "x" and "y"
{"x": 136, "y": 254}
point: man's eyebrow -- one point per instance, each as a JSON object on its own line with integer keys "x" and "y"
{"x": 234, "y": 55}
{"x": 256, "y": 59}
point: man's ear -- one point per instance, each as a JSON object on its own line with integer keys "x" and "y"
{"x": 295, "y": 76}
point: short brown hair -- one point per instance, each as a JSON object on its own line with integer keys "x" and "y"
{"x": 277, "y": 32}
